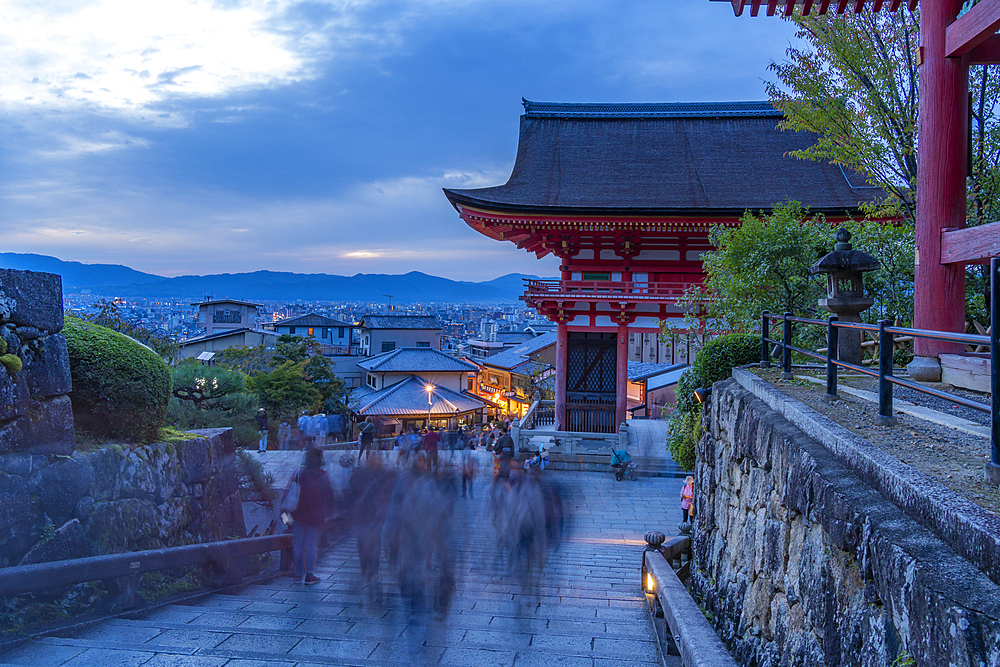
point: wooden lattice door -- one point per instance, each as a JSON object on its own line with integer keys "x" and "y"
{"x": 590, "y": 382}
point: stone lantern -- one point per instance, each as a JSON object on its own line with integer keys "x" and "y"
{"x": 845, "y": 291}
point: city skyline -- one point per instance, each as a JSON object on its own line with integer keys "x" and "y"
{"x": 196, "y": 138}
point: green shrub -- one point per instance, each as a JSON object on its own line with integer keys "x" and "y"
{"x": 120, "y": 387}
{"x": 716, "y": 360}
{"x": 713, "y": 363}
{"x": 233, "y": 410}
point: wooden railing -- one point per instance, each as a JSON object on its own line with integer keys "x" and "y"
{"x": 607, "y": 289}
{"x": 593, "y": 415}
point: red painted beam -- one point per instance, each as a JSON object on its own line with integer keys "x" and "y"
{"x": 772, "y": 6}
{"x": 754, "y": 7}
{"x": 970, "y": 245}
{"x": 842, "y": 6}
{"x": 823, "y": 6}
{"x": 807, "y": 7}
{"x": 972, "y": 28}
{"x": 987, "y": 53}
{"x": 789, "y": 7}
{"x": 894, "y": 5}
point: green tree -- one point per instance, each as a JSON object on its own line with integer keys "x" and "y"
{"x": 764, "y": 265}
{"x": 246, "y": 359}
{"x": 286, "y": 390}
{"x": 197, "y": 383}
{"x": 319, "y": 371}
{"x": 855, "y": 87}
{"x": 294, "y": 348}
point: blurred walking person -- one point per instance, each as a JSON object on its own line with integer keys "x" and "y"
{"x": 308, "y": 512}
{"x": 261, "y": 418}
{"x": 371, "y": 486}
{"x": 366, "y": 436}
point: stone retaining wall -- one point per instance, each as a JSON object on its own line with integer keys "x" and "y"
{"x": 35, "y": 411}
{"x": 800, "y": 562}
{"x": 119, "y": 499}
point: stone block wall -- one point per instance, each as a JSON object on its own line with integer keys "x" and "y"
{"x": 119, "y": 499}
{"x": 799, "y": 562}
{"x": 35, "y": 411}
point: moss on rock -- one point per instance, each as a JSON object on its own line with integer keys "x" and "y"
{"x": 120, "y": 387}
{"x": 12, "y": 363}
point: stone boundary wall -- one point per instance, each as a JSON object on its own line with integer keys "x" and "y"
{"x": 35, "y": 411}
{"x": 119, "y": 499}
{"x": 971, "y": 530}
{"x": 799, "y": 561}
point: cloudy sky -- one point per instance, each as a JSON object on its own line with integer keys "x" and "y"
{"x": 192, "y": 136}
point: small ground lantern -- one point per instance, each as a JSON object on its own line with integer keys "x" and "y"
{"x": 845, "y": 291}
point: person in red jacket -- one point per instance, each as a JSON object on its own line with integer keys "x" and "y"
{"x": 310, "y": 514}
{"x": 430, "y": 444}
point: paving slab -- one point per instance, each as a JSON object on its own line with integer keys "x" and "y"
{"x": 588, "y": 611}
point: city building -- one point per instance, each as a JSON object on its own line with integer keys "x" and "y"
{"x": 625, "y": 196}
{"x": 651, "y": 388}
{"x": 402, "y": 386}
{"x": 384, "y": 333}
{"x": 508, "y": 380}
{"x": 219, "y": 341}
{"x": 325, "y": 330}
{"x": 227, "y": 315}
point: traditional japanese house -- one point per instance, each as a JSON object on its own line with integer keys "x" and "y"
{"x": 625, "y": 195}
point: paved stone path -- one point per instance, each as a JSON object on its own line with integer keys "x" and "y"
{"x": 590, "y": 614}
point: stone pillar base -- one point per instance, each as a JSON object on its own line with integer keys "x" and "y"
{"x": 993, "y": 473}
{"x": 925, "y": 369}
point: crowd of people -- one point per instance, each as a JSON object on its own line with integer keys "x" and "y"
{"x": 404, "y": 518}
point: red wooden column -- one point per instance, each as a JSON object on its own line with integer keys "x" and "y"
{"x": 941, "y": 171}
{"x": 562, "y": 342}
{"x": 621, "y": 375}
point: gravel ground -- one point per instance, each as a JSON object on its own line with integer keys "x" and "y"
{"x": 939, "y": 404}
{"x": 951, "y": 457}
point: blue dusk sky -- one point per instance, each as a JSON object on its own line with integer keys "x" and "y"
{"x": 195, "y": 137}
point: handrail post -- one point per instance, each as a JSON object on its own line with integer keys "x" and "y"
{"x": 993, "y": 467}
{"x": 765, "y": 344}
{"x": 885, "y": 416}
{"x": 786, "y": 350}
{"x": 832, "y": 344}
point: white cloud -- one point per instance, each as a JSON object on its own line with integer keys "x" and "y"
{"x": 126, "y": 57}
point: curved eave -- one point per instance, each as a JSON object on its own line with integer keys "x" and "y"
{"x": 459, "y": 200}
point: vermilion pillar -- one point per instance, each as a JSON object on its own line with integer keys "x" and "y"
{"x": 941, "y": 172}
{"x": 562, "y": 341}
{"x": 621, "y": 375}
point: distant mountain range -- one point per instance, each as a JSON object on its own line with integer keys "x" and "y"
{"x": 118, "y": 280}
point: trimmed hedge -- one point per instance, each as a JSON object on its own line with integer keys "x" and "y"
{"x": 120, "y": 387}
{"x": 716, "y": 360}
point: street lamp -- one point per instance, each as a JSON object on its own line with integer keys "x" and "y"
{"x": 429, "y": 388}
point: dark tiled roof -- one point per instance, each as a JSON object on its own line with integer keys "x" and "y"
{"x": 400, "y": 322}
{"x": 516, "y": 356}
{"x": 408, "y": 397}
{"x": 640, "y": 370}
{"x": 222, "y": 301}
{"x": 222, "y": 334}
{"x": 415, "y": 360}
{"x": 665, "y": 159}
{"x": 311, "y": 320}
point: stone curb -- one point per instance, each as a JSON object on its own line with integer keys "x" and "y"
{"x": 971, "y": 530}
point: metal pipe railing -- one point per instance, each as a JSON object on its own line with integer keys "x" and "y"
{"x": 886, "y": 379}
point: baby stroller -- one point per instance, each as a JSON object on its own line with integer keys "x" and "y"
{"x": 622, "y": 466}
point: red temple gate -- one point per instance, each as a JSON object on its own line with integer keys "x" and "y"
{"x": 625, "y": 196}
